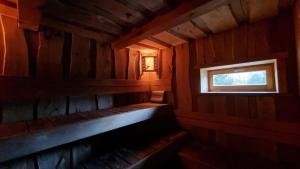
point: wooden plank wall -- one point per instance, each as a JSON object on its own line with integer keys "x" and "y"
{"x": 52, "y": 55}
{"x": 127, "y": 66}
{"x": 263, "y": 124}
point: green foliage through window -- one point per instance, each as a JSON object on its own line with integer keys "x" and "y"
{"x": 241, "y": 78}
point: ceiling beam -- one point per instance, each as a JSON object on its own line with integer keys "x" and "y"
{"x": 30, "y": 13}
{"x": 76, "y": 29}
{"x": 159, "y": 42}
{"x": 147, "y": 46}
{"x": 182, "y": 13}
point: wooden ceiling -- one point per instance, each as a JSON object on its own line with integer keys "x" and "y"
{"x": 153, "y": 24}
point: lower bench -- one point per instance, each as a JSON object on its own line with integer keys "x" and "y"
{"x": 136, "y": 156}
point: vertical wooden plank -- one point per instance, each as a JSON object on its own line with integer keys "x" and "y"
{"x": 228, "y": 47}
{"x": 49, "y": 60}
{"x": 252, "y": 107}
{"x": 218, "y": 46}
{"x": 182, "y": 78}
{"x": 133, "y": 58}
{"x": 54, "y": 159}
{"x": 15, "y": 61}
{"x": 205, "y": 104}
{"x": 14, "y": 112}
{"x": 297, "y": 36}
{"x": 230, "y": 102}
{"x": 51, "y": 107}
{"x": 80, "y": 57}
{"x": 240, "y": 43}
{"x": 121, "y": 63}
{"x": 27, "y": 163}
{"x": 80, "y": 154}
{"x": 209, "y": 51}
{"x": 194, "y": 75}
{"x": 82, "y": 104}
{"x": 219, "y": 105}
{"x": 262, "y": 46}
{"x": 2, "y": 48}
{"x": 200, "y": 52}
{"x": 105, "y": 101}
{"x": 241, "y": 106}
{"x": 251, "y": 41}
{"x": 103, "y": 61}
{"x": 266, "y": 107}
{"x": 32, "y": 39}
{"x": 166, "y": 71}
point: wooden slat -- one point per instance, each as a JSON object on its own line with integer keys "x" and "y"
{"x": 262, "y": 9}
{"x": 79, "y": 16}
{"x": 190, "y": 30}
{"x": 220, "y": 19}
{"x": 30, "y": 13}
{"x": 8, "y": 11}
{"x": 164, "y": 85}
{"x": 15, "y": 61}
{"x": 26, "y": 88}
{"x": 75, "y": 127}
{"x": 76, "y": 29}
{"x": 239, "y": 9}
{"x": 50, "y": 53}
{"x": 153, "y": 44}
{"x": 104, "y": 61}
{"x": 133, "y": 64}
{"x": 153, "y": 5}
{"x": 169, "y": 38}
{"x": 297, "y": 36}
{"x": 166, "y": 60}
{"x": 282, "y": 132}
{"x": 143, "y": 48}
{"x": 80, "y": 57}
{"x": 159, "y": 42}
{"x": 184, "y": 97}
{"x": 184, "y": 12}
{"x": 121, "y": 63}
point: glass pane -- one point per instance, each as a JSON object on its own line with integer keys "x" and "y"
{"x": 149, "y": 62}
{"x": 241, "y": 78}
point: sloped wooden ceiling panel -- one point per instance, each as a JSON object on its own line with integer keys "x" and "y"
{"x": 218, "y": 20}
{"x": 189, "y": 30}
{"x": 169, "y": 38}
{"x": 151, "y": 43}
{"x": 261, "y": 9}
{"x": 152, "y": 5}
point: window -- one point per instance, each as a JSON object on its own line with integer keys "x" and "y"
{"x": 247, "y": 77}
{"x": 149, "y": 64}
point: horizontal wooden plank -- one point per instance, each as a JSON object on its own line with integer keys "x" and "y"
{"x": 14, "y": 88}
{"x": 164, "y": 84}
{"x": 282, "y": 132}
{"x": 55, "y": 131}
{"x": 184, "y": 12}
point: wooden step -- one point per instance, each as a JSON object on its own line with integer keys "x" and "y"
{"x": 26, "y": 138}
{"x": 136, "y": 156}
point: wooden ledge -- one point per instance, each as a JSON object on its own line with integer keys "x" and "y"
{"x": 24, "y": 139}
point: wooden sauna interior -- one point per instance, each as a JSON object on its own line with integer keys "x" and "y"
{"x": 131, "y": 84}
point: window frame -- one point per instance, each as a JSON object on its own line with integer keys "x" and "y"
{"x": 270, "y": 66}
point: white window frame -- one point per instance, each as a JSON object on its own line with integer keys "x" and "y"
{"x": 204, "y": 76}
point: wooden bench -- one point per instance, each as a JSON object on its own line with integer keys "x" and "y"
{"x": 25, "y": 138}
{"x": 137, "y": 155}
